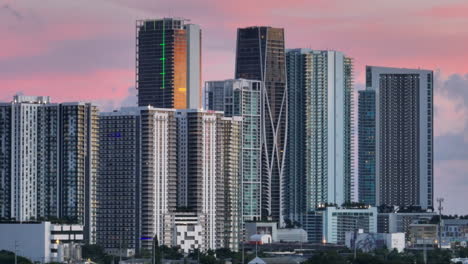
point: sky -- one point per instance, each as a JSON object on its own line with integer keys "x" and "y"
{"x": 85, "y": 50}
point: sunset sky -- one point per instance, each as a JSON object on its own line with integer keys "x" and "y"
{"x": 85, "y": 50}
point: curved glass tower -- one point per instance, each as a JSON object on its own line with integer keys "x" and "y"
{"x": 260, "y": 56}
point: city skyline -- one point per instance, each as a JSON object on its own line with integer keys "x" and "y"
{"x": 86, "y": 79}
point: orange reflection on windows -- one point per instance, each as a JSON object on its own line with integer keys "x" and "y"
{"x": 180, "y": 69}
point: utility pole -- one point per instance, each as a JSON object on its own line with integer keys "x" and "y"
{"x": 440, "y": 208}
{"x": 243, "y": 260}
{"x": 355, "y": 237}
{"x": 16, "y": 246}
{"x": 425, "y": 252}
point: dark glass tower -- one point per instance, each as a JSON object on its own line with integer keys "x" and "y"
{"x": 168, "y": 60}
{"x": 366, "y": 165}
{"x": 260, "y": 56}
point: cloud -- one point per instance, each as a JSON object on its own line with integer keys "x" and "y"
{"x": 131, "y": 99}
{"x": 12, "y": 11}
{"x": 109, "y": 105}
{"x": 451, "y": 182}
{"x": 451, "y": 140}
{"x": 451, "y": 11}
{"x": 451, "y": 104}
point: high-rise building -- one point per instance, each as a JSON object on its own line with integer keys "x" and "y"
{"x": 260, "y": 55}
{"x": 319, "y": 155}
{"x": 404, "y": 172}
{"x": 118, "y": 182}
{"x": 79, "y": 163}
{"x": 232, "y": 147}
{"x": 168, "y": 63}
{"x": 158, "y": 167}
{"x": 201, "y": 170}
{"x": 49, "y": 161}
{"x": 242, "y": 98}
{"x": 366, "y": 169}
{"x": 137, "y": 177}
{"x": 20, "y": 153}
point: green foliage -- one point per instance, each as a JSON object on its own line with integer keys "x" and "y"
{"x": 291, "y": 224}
{"x": 144, "y": 253}
{"x": 221, "y": 255}
{"x": 354, "y": 205}
{"x": 8, "y": 257}
{"x": 382, "y": 256}
{"x": 171, "y": 252}
{"x": 362, "y": 258}
{"x": 205, "y": 258}
{"x": 461, "y": 252}
{"x": 96, "y": 253}
{"x": 326, "y": 257}
{"x": 438, "y": 256}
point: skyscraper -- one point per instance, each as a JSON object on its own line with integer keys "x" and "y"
{"x": 163, "y": 171}
{"x": 260, "y": 56}
{"x": 49, "y": 162}
{"x": 232, "y": 147}
{"x": 137, "y": 177}
{"x": 319, "y": 155}
{"x": 366, "y": 167}
{"x": 404, "y": 172}
{"x": 242, "y": 98}
{"x": 168, "y": 63}
{"x": 201, "y": 170}
{"x": 119, "y": 181}
{"x": 20, "y": 154}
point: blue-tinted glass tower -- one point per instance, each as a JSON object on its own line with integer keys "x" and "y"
{"x": 366, "y": 134}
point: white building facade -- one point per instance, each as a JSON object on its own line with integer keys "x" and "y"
{"x": 43, "y": 241}
{"x": 337, "y": 221}
{"x": 319, "y": 157}
{"x": 49, "y": 161}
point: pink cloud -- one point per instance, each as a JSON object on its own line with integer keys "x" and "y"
{"x": 103, "y": 84}
{"x": 447, "y": 11}
{"x": 389, "y": 33}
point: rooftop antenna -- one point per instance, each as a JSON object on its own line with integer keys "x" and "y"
{"x": 440, "y": 208}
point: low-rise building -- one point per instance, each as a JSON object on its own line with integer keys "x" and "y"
{"x": 423, "y": 235}
{"x": 291, "y": 235}
{"x": 368, "y": 242}
{"x": 42, "y": 241}
{"x": 397, "y": 222}
{"x": 188, "y": 231}
{"x": 454, "y": 230}
{"x": 287, "y": 235}
{"x": 337, "y": 221}
{"x": 260, "y": 239}
{"x": 261, "y": 228}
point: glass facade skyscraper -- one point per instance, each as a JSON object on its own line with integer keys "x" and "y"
{"x": 260, "y": 55}
{"x": 366, "y": 167}
{"x": 168, "y": 62}
{"x": 242, "y": 98}
{"x": 319, "y": 155}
